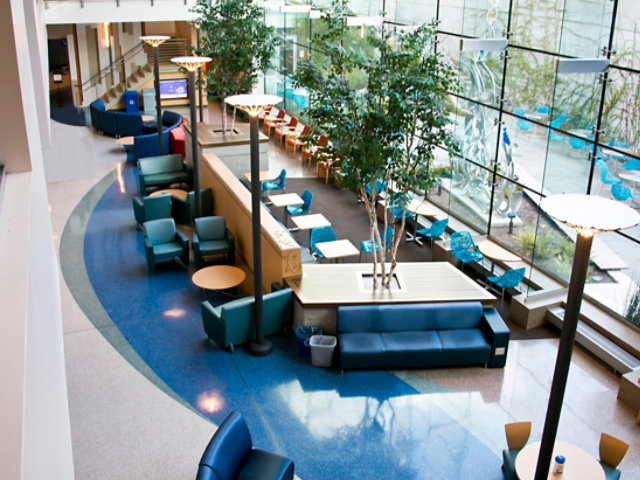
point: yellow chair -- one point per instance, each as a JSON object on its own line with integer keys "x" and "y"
{"x": 517, "y": 436}
{"x": 612, "y": 451}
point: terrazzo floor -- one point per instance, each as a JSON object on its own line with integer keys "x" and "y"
{"x": 146, "y": 391}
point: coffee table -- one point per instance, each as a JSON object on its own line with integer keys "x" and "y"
{"x": 175, "y": 192}
{"x": 127, "y": 143}
{"x": 218, "y": 277}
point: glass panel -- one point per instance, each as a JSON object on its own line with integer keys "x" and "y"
{"x": 415, "y": 12}
{"x": 529, "y": 83}
{"x": 536, "y": 24}
{"x": 481, "y": 76}
{"x": 450, "y": 46}
{"x": 627, "y": 35}
{"x": 367, "y": 8}
{"x": 451, "y": 16}
{"x": 485, "y": 18}
{"x": 621, "y": 120}
{"x": 585, "y": 29}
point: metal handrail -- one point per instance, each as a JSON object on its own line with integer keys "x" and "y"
{"x": 108, "y": 70}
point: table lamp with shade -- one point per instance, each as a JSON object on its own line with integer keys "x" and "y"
{"x": 192, "y": 63}
{"x": 253, "y": 104}
{"x": 588, "y": 215}
{"x": 155, "y": 41}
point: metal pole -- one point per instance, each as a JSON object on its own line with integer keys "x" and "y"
{"x": 156, "y": 73}
{"x": 261, "y": 346}
{"x": 194, "y": 144}
{"x": 199, "y": 75}
{"x": 565, "y": 349}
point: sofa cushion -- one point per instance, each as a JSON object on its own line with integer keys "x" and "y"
{"x": 411, "y": 348}
{"x": 161, "y": 164}
{"x": 361, "y": 350}
{"x": 357, "y": 318}
{"x": 464, "y": 346}
{"x": 166, "y": 178}
{"x": 263, "y": 464}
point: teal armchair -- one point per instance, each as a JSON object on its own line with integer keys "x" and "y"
{"x": 233, "y": 323}
{"x": 211, "y": 237}
{"x": 163, "y": 242}
{"x": 184, "y": 211}
{"x": 161, "y": 171}
{"x": 151, "y": 208}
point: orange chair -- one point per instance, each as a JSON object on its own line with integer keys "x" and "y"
{"x": 282, "y": 130}
{"x": 293, "y": 143}
{"x": 270, "y": 124}
{"x": 307, "y": 153}
{"x": 265, "y": 113}
{"x": 324, "y": 167}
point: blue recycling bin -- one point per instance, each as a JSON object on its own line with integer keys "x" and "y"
{"x": 131, "y": 101}
{"x": 303, "y": 334}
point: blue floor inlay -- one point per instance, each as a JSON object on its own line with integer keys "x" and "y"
{"x": 358, "y": 425}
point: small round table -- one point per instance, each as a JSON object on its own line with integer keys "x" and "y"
{"x": 176, "y": 192}
{"x": 218, "y": 277}
{"x": 579, "y": 464}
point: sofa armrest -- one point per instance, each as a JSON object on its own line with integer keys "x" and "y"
{"x": 183, "y": 240}
{"x": 498, "y": 334}
{"x": 138, "y": 209}
{"x": 213, "y": 323}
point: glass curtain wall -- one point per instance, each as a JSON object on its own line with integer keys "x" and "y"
{"x": 524, "y": 130}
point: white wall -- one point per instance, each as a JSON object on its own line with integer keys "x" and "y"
{"x": 128, "y": 11}
{"x": 36, "y": 438}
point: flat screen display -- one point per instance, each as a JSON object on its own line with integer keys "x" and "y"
{"x": 173, "y": 88}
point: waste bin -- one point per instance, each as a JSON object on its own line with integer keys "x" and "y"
{"x": 131, "y": 101}
{"x": 304, "y": 333}
{"x": 149, "y": 100}
{"x": 322, "y": 347}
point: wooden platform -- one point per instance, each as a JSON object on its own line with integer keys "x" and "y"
{"x": 323, "y": 287}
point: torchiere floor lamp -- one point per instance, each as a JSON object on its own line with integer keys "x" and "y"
{"x": 253, "y": 105}
{"x": 588, "y": 215}
{"x": 155, "y": 41}
{"x": 192, "y": 64}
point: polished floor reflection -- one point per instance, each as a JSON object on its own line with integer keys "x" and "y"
{"x": 152, "y": 414}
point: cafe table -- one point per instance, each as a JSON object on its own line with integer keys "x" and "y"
{"x": 419, "y": 206}
{"x": 263, "y": 176}
{"x": 496, "y": 253}
{"x": 578, "y": 465}
{"x": 310, "y": 221}
{"x": 336, "y": 249}
{"x": 284, "y": 200}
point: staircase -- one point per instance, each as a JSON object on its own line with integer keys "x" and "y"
{"x": 114, "y": 98}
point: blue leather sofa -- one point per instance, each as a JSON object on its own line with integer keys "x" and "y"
{"x": 147, "y": 145}
{"x": 421, "y": 335}
{"x": 232, "y": 323}
{"x": 114, "y": 122}
{"x": 230, "y": 454}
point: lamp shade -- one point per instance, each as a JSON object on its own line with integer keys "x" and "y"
{"x": 253, "y": 103}
{"x": 590, "y": 213}
{"x": 154, "y": 40}
{"x": 191, "y": 63}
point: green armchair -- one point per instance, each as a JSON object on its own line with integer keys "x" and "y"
{"x": 211, "y": 237}
{"x": 233, "y": 323}
{"x": 163, "y": 242}
{"x": 151, "y": 208}
{"x": 184, "y": 211}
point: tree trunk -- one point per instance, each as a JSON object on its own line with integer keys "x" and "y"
{"x": 224, "y": 117}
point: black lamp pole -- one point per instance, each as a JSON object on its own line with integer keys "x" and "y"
{"x": 156, "y": 84}
{"x": 199, "y": 74}
{"x": 194, "y": 143}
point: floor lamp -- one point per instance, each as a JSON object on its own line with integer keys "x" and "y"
{"x": 198, "y": 46}
{"x": 192, "y": 64}
{"x": 155, "y": 41}
{"x": 588, "y": 215}
{"x": 253, "y": 105}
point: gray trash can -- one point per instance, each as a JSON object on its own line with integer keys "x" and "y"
{"x": 149, "y": 100}
{"x": 322, "y": 347}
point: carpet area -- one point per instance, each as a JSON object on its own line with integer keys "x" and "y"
{"x": 63, "y": 110}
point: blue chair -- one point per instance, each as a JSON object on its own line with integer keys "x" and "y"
{"x": 397, "y": 208}
{"x": 163, "y": 242}
{"x": 577, "y": 143}
{"x": 464, "y": 248}
{"x": 211, "y": 237}
{"x": 367, "y": 247}
{"x": 611, "y": 452}
{"x": 230, "y": 454}
{"x": 557, "y": 123}
{"x": 631, "y": 164}
{"x": 306, "y": 196}
{"x": 380, "y": 186}
{"x": 277, "y": 184}
{"x": 151, "y": 208}
{"x": 436, "y": 230}
{"x": 621, "y": 192}
{"x": 510, "y": 279}
{"x": 605, "y": 175}
{"x": 318, "y": 235}
{"x": 542, "y": 110}
{"x": 521, "y": 123}
{"x": 517, "y": 434}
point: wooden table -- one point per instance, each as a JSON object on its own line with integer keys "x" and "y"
{"x": 579, "y": 464}
{"x": 147, "y": 118}
{"x": 284, "y": 200}
{"x": 337, "y": 249}
{"x": 309, "y": 222}
{"x": 175, "y": 192}
{"x": 218, "y": 277}
{"x": 125, "y": 141}
{"x": 496, "y": 253}
{"x": 420, "y": 206}
{"x": 264, "y": 176}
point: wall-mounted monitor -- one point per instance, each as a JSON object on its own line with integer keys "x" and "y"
{"x": 173, "y": 88}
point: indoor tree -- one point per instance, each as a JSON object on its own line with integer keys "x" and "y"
{"x": 388, "y": 130}
{"x": 239, "y": 43}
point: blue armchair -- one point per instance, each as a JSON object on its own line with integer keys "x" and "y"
{"x": 230, "y": 455}
{"x": 464, "y": 248}
{"x": 211, "y": 237}
{"x": 184, "y": 211}
{"x": 163, "y": 242}
{"x": 319, "y": 235}
{"x": 436, "y": 230}
{"x": 367, "y": 247}
{"x": 277, "y": 184}
{"x": 151, "y": 208}
{"x": 510, "y": 279}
